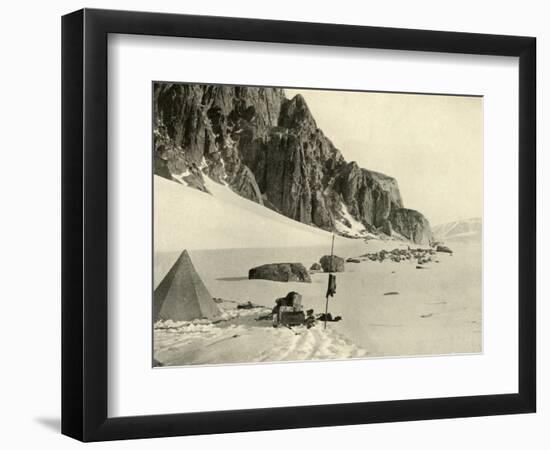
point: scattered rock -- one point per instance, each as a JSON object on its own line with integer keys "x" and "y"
{"x": 421, "y": 255}
{"x": 280, "y": 272}
{"x": 421, "y": 267}
{"x": 443, "y": 249}
{"x": 316, "y": 266}
{"x": 391, "y": 293}
{"x": 353, "y": 260}
{"x": 332, "y": 263}
{"x": 424, "y": 316}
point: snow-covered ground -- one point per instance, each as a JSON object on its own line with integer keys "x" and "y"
{"x": 241, "y": 338}
{"x": 437, "y": 310}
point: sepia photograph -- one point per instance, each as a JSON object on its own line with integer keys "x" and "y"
{"x": 294, "y": 224}
{"x": 283, "y": 220}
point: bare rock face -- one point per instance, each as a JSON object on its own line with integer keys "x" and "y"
{"x": 293, "y": 165}
{"x": 387, "y": 228}
{"x": 369, "y": 196}
{"x": 412, "y": 225}
{"x": 244, "y": 182}
{"x": 267, "y": 148}
{"x": 332, "y": 263}
{"x": 280, "y": 272}
{"x": 443, "y": 249}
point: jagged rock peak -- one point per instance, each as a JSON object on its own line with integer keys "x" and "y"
{"x": 268, "y": 149}
{"x": 295, "y": 113}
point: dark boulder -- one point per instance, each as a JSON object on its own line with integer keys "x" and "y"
{"x": 353, "y": 260}
{"x": 280, "y": 272}
{"x": 332, "y": 263}
{"x": 316, "y": 266}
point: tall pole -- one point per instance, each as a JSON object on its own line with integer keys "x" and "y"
{"x": 326, "y": 313}
{"x": 329, "y": 272}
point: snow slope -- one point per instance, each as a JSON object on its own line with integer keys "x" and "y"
{"x": 188, "y": 218}
{"x": 349, "y": 225}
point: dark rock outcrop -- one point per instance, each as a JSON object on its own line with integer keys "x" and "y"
{"x": 280, "y": 272}
{"x": 412, "y": 225}
{"x": 369, "y": 196}
{"x": 332, "y": 263}
{"x": 443, "y": 249}
{"x": 268, "y": 149}
{"x": 244, "y": 183}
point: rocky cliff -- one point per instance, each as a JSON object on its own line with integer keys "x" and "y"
{"x": 411, "y": 224}
{"x": 269, "y": 149}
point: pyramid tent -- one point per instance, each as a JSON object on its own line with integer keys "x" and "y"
{"x": 182, "y": 295}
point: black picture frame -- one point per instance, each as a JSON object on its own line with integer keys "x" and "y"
{"x": 84, "y": 224}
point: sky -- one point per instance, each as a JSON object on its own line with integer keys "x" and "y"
{"x": 432, "y": 144}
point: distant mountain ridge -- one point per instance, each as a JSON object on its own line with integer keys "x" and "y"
{"x": 268, "y": 149}
{"x": 468, "y": 230}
